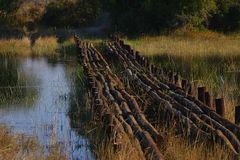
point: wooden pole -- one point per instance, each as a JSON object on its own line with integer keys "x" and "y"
{"x": 171, "y": 76}
{"x": 177, "y": 80}
{"x": 184, "y": 84}
{"x": 220, "y": 107}
{"x": 201, "y": 93}
{"x": 208, "y": 99}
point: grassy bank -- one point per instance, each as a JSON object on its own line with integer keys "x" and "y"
{"x": 17, "y": 146}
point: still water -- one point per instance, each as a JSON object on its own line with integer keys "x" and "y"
{"x": 46, "y": 88}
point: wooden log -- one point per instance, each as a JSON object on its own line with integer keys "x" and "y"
{"x": 191, "y": 89}
{"x": 177, "y": 79}
{"x": 231, "y": 126}
{"x": 171, "y": 77}
{"x": 220, "y": 106}
{"x": 208, "y": 99}
{"x": 201, "y": 93}
{"x": 184, "y": 84}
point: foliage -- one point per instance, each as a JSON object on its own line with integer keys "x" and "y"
{"x": 128, "y": 16}
{"x": 71, "y": 12}
{"x": 29, "y": 13}
{"x": 227, "y": 17}
{"x": 6, "y": 10}
{"x": 153, "y": 15}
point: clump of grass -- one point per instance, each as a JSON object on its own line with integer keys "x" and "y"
{"x": 13, "y": 47}
{"x": 45, "y": 46}
{"x": 176, "y": 147}
{"x": 18, "y": 146}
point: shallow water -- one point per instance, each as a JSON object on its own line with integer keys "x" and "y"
{"x": 43, "y": 112}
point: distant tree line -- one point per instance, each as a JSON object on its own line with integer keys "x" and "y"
{"x": 57, "y": 13}
{"x": 129, "y": 16}
{"x": 155, "y": 15}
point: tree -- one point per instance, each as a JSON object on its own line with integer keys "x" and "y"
{"x": 29, "y": 13}
{"x": 227, "y": 17}
{"x": 7, "y": 9}
{"x": 72, "y": 12}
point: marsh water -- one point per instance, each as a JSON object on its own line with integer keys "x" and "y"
{"x": 36, "y": 99}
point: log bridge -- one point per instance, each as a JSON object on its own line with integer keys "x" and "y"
{"x": 119, "y": 106}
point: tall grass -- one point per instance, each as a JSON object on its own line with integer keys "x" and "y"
{"x": 45, "y": 46}
{"x": 177, "y": 148}
{"x": 204, "y": 58}
{"x": 188, "y": 44}
{"x": 13, "y": 47}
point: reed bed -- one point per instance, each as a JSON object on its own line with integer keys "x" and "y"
{"x": 13, "y": 47}
{"x": 188, "y": 44}
{"x": 45, "y": 46}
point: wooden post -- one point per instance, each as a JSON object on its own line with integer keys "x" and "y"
{"x": 171, "y": 76}
{"x": 237, "y": 115}
{"x": 177, "y": 80}
{"x": 208, "y": 99}
{"x": 191, "y": 90}
{"x": 184, "y": 84}
{"x": 220, "y": 107}
{"x": 121, "y": 42}
{"x": 137, "y": 57}
{"x": 201, "y": 93}
{"x": 152, "y": 69}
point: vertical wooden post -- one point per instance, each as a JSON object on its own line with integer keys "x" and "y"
{"x": 237, "y": 115}
{"x": 184, "y": 84}
{"x": 171, "y": 76}
{"x": 220, "y": 106}
{"x": 191, "y": 90}
{"x": 121, "y": 43}
{"x": 137, "y": 56}
{"x": 208, "y": 99}
{"x": 201, "y": 93}
{"x": 177, "y": 80}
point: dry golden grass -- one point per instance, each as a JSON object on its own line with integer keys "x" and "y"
{"x": 188, "y": 44}
{"x": 16, "y": 147}
{"x": 45, "y": 46}
{"x": 176, "y": 148}
{"x": 12, "y": 47}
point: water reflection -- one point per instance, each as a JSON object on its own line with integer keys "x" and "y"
{"x": 47, "y": 117}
